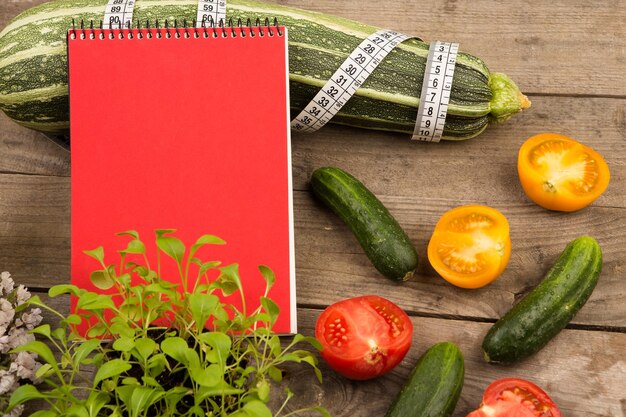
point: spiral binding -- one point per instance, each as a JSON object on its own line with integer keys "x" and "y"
{"x": 166, "y": 30}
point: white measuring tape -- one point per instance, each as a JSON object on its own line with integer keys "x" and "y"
{"x": 118, "y": 13}
{"x": 436, "y": 88}
{"x": 346, "y": 80}
{"x": 361, "y": 63}
{"x": 211, "y": 11}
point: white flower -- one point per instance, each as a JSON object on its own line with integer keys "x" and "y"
{"x": 6, "y": 283}
{"x": 7, "y": 312}
{"x": 8, "y": 382}
{"x": 25, "y": 366}
{"x": 16, "y": 337}
{"x": 30, "y": 319}
{"x": 16, "y": 411}
{"x": 22, "y": 295}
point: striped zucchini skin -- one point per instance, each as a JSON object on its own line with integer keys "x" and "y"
{"x": 549, "y": 307}
{"x": 33, "y": 67}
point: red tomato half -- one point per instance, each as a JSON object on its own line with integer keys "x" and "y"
{"x": 513, "y": 397}
{"x": 364, "y": 337}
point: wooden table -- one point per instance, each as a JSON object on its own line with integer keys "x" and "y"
{"x": 568, "y": 56}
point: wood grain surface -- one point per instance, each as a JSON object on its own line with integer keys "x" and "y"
{"x": 568, "y": 56}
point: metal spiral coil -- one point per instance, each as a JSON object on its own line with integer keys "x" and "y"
{"x": 206, "y": 29}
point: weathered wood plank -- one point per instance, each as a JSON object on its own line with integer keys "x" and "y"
{"x": 594, "y": 384}
{"x": 25, "y": 151}
{"x": 331, "y": 265}
{"x": 557, "y": 47}
{"x": 34, "y": 245}
{"x": 583, "y": 372}
{"x": 483, "y": 169}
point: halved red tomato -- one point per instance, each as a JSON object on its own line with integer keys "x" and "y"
{"x": 364, "y": 337}
{"x": 559, "y": 173}
{"x": 470, "y": 246}
{"x": 514, "y": 397}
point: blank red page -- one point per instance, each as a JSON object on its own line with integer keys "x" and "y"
{"x": 189, "y": 134}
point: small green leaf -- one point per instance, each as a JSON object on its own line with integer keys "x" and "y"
{"x": 274, "y": 344}
{"x": 135, "y": 246}
{"x": 257, "y": 409}
{"x": 101, "y": 279}
{"x": 207, "y": 377}
{"x": 268, "y": 275}
{"x": 162, "y": 232}
{"x": 43, "y": 371}
{"x": 204, "y": 267}
{"x": 275, "y": 373}
{"x": 130, "y": 380}
{"x": 157, "y": 364}
{"x": 298, "y": 338}
{"x": 202, "y": 307}
{"x": 205, "y": 240}
{"x": 263, "y": 388}
{"x": 23, "y": 394}
{"x": 131, "y": 233}
{"x": 110, "y": 369}
{"x": 172, "y": 247}
{"x": 142, "y": 398}
{"x": 40, "y": 349}
{"x": 144, "y": 347}
{"x": 85, "y": 349}
{"x": 43, "y": 330}
{"x": 91, "y": 301}
{"x": 150, "y": 381}
{"x": 74, "y": 319}
{"x": 77, "y": 410}
{"x": 270, "y": 308}
{"x": 95, "y": 402}
{"x": 229, "y": 280}
{"x": 97, "y": 253}
{"x": 220, "y": 344}
{"x": 176, "y": 348}
{"x": 57, "y": 290}
{"x": 124, "y": 344}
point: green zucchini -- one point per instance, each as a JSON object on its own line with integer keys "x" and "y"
{"x": 549, "y": 307}
{"x": 380, "y": 235}
{"x": 434, "y": 386}
{"x": 33, "y": 67}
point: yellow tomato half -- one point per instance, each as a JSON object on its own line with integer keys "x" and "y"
{"x": 559, "y": 173}
{"x": 470, "y": 246}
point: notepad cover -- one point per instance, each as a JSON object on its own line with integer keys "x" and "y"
{"x": 186, "y": 133}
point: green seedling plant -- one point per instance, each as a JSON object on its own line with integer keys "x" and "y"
{"x": 153, "y": 347}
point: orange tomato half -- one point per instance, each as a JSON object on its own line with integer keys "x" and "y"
{"x": 559, "y": 173}
{"x": 470, "y": 246}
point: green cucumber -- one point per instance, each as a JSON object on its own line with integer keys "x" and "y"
{"x": 434, "y": 386}
{"x": 380, "y": 235}
{"x": 549, "y": 307}
{"x": 33, "y": 67}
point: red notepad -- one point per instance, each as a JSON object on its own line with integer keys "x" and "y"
{"x": 188, "y": 133}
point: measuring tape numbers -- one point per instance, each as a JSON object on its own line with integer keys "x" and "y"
{"x": 436, "y": 88}
{"x": 211, "y": 13}
{"x": 118, "y": 14}
{"x": 342, "y": 85}
{"x": 346, "y": 80}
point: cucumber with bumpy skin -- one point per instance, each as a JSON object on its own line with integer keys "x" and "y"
{"x": 547, "y": 309}
{"x": 434, "y": 386}
{"x": 385, "y": 243}
{"x": 33, "y": 67}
